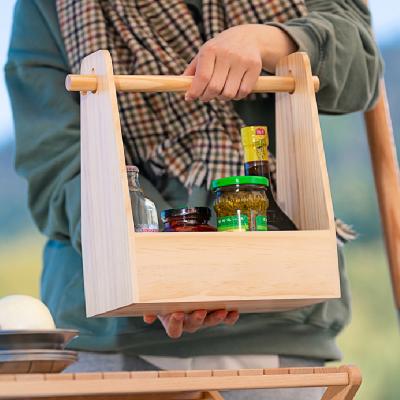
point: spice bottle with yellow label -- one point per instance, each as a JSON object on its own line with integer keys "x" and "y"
{"x": 255, "y": 143}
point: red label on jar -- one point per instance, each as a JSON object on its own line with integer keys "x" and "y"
{"x": 260, "y": 131}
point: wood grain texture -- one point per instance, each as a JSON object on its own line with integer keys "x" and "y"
{"x": 214, "y": 395}
{"x": 172, "y": 83}
{"x": 229, "y": 273}
{"x": 80, "y": 385}
{"x": 128, "y": 273}
{"x": 143, "y": 396}
{"x": 302, "y": 178}
{"x": 243, "y": 306}
{"x": 107, "y": 248}
{"x": 303, "y": 276}
{"x": 345, "y": 392}
{"x": 385, "y": 167}
{"x": 52, "y": 388}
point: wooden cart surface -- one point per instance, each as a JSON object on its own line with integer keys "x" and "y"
{"x": 341, "y": 383}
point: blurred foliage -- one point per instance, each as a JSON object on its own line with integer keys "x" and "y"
{"x": 372, "y": 340}
{"x": 20, "y": 260}
{"x": 350, "y": 174}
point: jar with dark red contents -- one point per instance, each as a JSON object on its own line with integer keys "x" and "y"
{"x": 194, "y": 219}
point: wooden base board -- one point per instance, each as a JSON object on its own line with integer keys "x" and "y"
{"x": 243, "y": 306}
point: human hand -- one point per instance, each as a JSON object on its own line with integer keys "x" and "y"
{"x": 178, "y": 322}
{"x": 227, "y": 67}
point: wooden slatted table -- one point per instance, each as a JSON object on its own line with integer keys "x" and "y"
{"x": 341, "y": 383}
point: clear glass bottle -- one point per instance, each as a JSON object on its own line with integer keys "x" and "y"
{"x": 144, "y": 210}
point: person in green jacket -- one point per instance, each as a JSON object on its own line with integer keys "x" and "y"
{"x": 226, "y": 45}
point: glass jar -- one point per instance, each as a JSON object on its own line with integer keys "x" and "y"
{"x": 144, "y": 210}
{"x": 194, "y": 219}
{"x": 241, "y": 203}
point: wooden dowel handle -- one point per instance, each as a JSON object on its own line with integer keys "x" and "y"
{"x": 387, "y": 181}
{"x": 171, "y": 83}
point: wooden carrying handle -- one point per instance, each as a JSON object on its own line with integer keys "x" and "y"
{"x": 172, "y": 83}
{"x": 386, "y": 172}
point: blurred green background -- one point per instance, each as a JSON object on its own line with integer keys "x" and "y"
{"x": 372, "y": 340}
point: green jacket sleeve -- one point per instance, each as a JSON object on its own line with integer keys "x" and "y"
{"x": 338, "y": 39}
{"x": 47, "y": 122}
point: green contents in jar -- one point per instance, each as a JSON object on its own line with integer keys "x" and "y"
{"x": 241, "y": 203}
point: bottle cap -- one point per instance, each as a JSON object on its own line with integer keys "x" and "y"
{"x": 132, "y": 168}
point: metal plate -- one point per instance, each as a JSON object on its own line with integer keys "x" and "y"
{"x": 47, "y": 339}
{"x": 30, "y": 355}
{"x": 34, "y": 367}
{"x": 35, "y": 361}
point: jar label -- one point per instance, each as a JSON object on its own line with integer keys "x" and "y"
{"x": 261, "y": 223}
{"x": 258, "y": 151}
{"x": 233, "y": 223}
{"x": 255, "y": 143}
{"x": 146, "y": 228}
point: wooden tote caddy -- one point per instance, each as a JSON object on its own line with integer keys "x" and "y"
{"x": 128, "y": 273}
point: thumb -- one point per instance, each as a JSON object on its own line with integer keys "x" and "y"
{"x": 191, "y": 68}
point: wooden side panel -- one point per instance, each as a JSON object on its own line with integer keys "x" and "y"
{"x": 250, "y": 265}
{"x": 106, "y": 211}
{"x": 302, "y": 178}
{"x": 236, "y": 270}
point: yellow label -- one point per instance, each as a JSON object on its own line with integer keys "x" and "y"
{"x": 255, "y": 143}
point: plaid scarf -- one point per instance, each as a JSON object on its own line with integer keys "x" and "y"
{"x": 195, "y": 142}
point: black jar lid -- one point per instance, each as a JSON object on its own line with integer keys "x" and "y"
{"x": 194, "y": 212}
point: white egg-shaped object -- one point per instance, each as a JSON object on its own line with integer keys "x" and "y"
{"x": 20, "y": 312}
